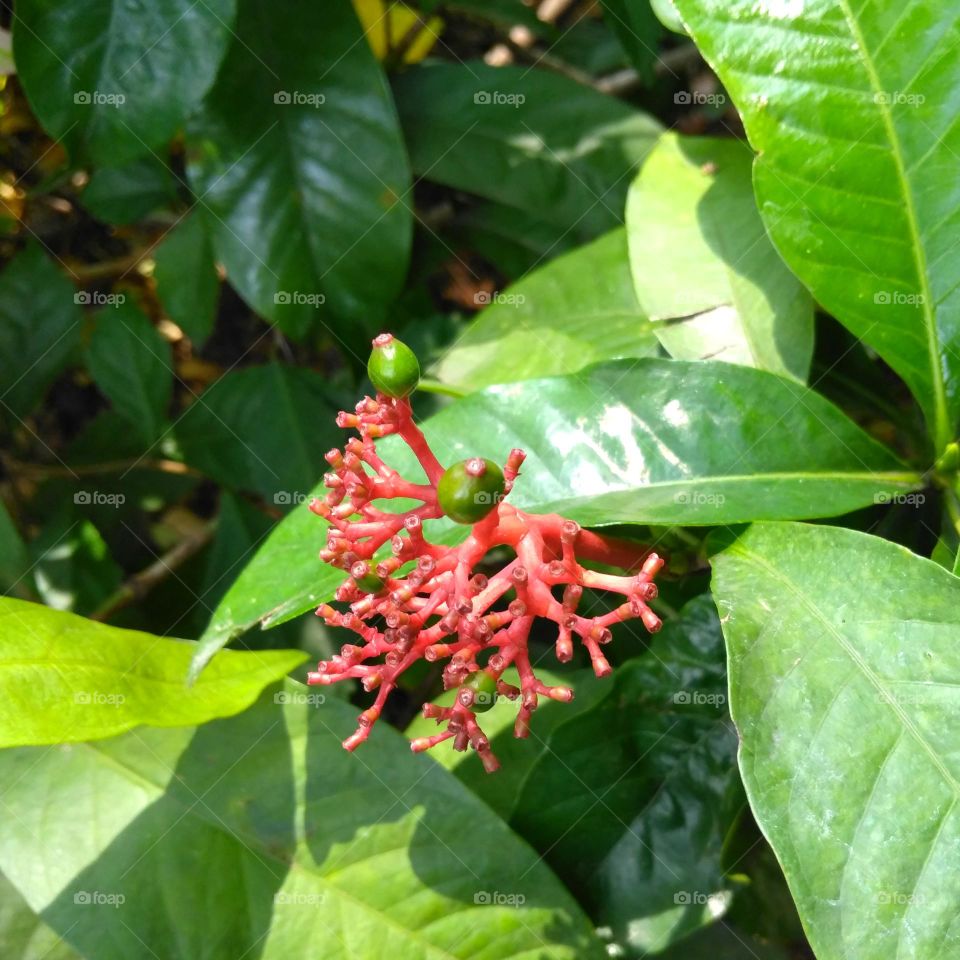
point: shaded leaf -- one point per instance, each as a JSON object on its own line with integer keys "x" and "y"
{"x": 578, "y": 309}
{"x": 700, "y": 256}
{"x": 125, "y": 194}
{"x": 23, "y": 934}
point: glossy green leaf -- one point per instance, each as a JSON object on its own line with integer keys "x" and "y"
{"x": 844, "y": 671}
{"x": 848, "y": 108}
{"x": 131, "y": 363}
{"x": 643, "y": 764}
{"x": 114, "y": 80}
{"x": 124, "y": 194}
{"x": 66, "y": 679}
{"x": 261, "y": 836}
{"x": 578, "y": 309}
{"x": 527, "y": 138}
{"x": 632, "y": 441}
{"x": 187, "y": 281}
{"x": 262, "y": 429}
{"x": 701, "y": 258}
{"x": 667, "y": 14}
{"x": 301, "y": 173}
{"x": 39, "y": 329}
{"x": 23, "y": 935}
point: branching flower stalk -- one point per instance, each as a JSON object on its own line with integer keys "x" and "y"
{"x": 427, "y": 601}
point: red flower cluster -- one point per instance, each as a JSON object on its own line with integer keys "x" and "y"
{"x": 441, "y": 609}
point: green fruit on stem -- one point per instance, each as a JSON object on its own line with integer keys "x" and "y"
{"x": 469, "y": 490}
{"x": 484, "y": 689}
{"x": 393, "y": 368}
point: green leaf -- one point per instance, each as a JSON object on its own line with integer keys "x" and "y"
{"x": 666, "y": 13}
{"x": 844, "y": 670}
{"x": 299, "y": 166}
{"x": 578, "y": 309}
{"x": 643, "y": 764}
{"x": 638, "y": 441}
{"x": 187, "y": 281}
{"x": 66, "y": 679}
{"x": 701, "y": 257}
{"x": 261, "y": 836}
{"x": 638, "y": 31}
{"x": 13, "y": 555}
{"x": 23, "y": 934}
{"x": 72, "y": 567}
{"x": 131, "y": 363}
{"x": 527, "y": 138}
{"x": 257, "y": 429}
{"x": 848, "y": 110}
{"x": 113, "y": 80}
{"x": 39, "y": 328}
{"x": 127, "y": 193}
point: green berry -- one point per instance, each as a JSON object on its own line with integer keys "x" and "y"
{"x": 469, "y": 490}
{"x": 484, "y": 689}
{"x": 393, "y": 368}
{"x": 371, "y": 583}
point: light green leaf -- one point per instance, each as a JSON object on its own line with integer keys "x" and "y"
{"x": 114, "y": 80}
{"x": 527, "y": 138}
{"x": 638, "y": 441}
{"x": 844, "y": 672}
{"x": 849, "y": 109}
{"x": 39, "y": 329}
{"x": 701, "y": 258}
{"x": 131, "y": 362}
{"x": 187, "y": 281}
{"x": 65, "y": 679}
{"x": 23, "y": 934}
{"x": 260, "y": 835}
{"x": 578, "y": 309}
{"x": 300, "y": 169}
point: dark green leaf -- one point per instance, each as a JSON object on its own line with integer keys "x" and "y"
{"x": 640, "y": 441}
{"x": 13, "y": 555}
{"x": 39, "y": 328}
{"x": 261, "y": 429}
{"x": 848, "y": 108}
{"x": 187, "y": 282}
{"x": 130, "y": 362}
{"x": 638, "y": 31}
{"x": 65, "y": 678}
{"x": 527, "y": 138}
{"x": 300, "y": 169}
{"x": 113, "y": 79}
{"x": 644, "y": 768}
{"x": 578, "y": 309}
{"x": 844, "y": 670}
{"x": 127, "y": 193}
{"x": 261, "y": 836}
{"x": 701, "y": 257}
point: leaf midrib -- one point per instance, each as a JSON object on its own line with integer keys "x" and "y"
{"x": 858, "y": 661}
{"x": 941, "y": 425}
